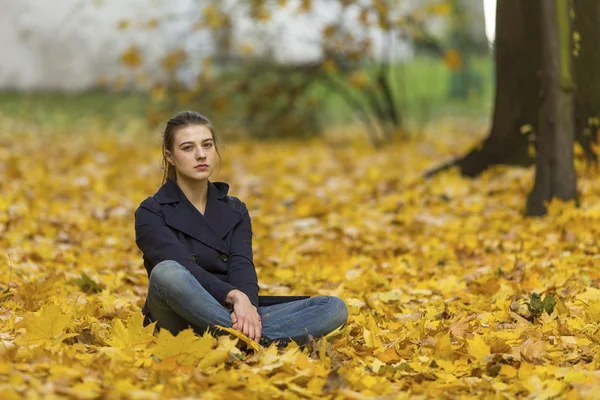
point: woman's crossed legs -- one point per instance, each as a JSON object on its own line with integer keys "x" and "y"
{"x": 177, "y": 301}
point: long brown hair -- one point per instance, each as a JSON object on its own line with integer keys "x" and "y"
{"x": 182, "y": 120}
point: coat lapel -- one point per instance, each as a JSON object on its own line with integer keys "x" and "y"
{"x": 210, "y": 228}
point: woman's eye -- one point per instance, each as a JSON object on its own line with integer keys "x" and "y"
{"x": 208, "y": 145}
{"x": 186, "y": 148}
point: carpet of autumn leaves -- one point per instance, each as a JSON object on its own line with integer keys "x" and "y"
{"x": 437, "y": 275}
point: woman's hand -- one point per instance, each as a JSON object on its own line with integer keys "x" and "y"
{"x": 245, "y": 317}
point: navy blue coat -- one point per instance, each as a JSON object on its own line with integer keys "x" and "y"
{"x": 215, "y": 247}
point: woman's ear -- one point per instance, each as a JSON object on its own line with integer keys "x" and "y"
{"x": 169, "y": 157}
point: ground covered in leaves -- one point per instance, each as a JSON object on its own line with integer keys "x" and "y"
{"x": 452, "y": 292}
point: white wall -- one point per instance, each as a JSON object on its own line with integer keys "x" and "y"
{"x": 69, "y": 44}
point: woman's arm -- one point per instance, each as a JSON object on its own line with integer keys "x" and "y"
{"x": 242, "y": 274}
{"x": 158, "y": 243}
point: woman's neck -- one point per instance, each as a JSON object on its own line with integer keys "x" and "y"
{"x": 195, "y": 191}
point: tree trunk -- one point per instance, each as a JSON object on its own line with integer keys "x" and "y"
{"x": 517, "y": 59}
{"x": 555, "y": 172}
{"x": 586, "y": 66}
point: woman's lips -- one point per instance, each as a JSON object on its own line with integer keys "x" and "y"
{"x": 201, "y": 167}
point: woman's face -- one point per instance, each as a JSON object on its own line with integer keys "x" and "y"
{"x": 194, "y": 152}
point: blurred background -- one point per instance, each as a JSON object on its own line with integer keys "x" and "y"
{"x": 258, "y": 68}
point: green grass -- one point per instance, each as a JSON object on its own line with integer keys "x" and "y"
{"x": 58, "y": 110}
{"x": 423, "y": 90}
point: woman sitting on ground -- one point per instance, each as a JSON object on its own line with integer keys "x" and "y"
{"x": 197, "y": 249}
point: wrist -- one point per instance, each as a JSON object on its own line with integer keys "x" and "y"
{"x": 234, "y": 296}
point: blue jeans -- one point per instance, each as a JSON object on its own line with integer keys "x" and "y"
{"x": 177, "y": 301}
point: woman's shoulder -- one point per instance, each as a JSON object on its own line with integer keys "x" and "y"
{"x": 234, "y": 202}
{"x": 225, "y": 197}
{"x": 149, "y": 203}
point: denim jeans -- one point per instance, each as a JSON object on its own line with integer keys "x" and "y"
{"x": 177, "y": 301}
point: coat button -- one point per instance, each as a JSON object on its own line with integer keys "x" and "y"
{"x": 224, "y": 257}
{"x": 195, "y": 258}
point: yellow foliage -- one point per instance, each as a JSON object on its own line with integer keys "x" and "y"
{"x": 363, "y": 16}
{"x": 305, "y": 6}
{"x": 158, "y": 92}
{"x": 453, "y": 60}
{"x": 442, "y": 8}
{"x": 123, "y": 24}
{"x": 185, "y": 348}
{"x": 46, "y": 327}
{"x": 329, "y": 66}
{"x": 247, "y": 48}
{"x": 261, "y": 13}
{"x": 251, "y": 343}
{"x": 477, "y": 347}
{"x": 359, "y": 79}
{"x": 329, "y": 30}
{"x": 212, "y": 17}
{"x": 438, "y": 275}
{"x": 173, "y": 59}
{"x": 132, "y": 57}
{"x": 152, "y": 23}
{"x": 133, "y": 336}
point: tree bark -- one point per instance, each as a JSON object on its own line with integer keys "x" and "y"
{"x": 555, "y": 171}
{"x": 517, "y": 59}
{"x": 586, "y": 66}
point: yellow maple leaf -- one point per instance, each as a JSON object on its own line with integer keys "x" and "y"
{"x": 443, "y": 347}
{"x": 590, "y": 294}
{"x": 477, "y": 347}
{"x": 10, "y": 394}
{"x": 593, "y": 311}
{"x": 371, "y": 333}
{"x": 532, "y": 349}
{"x": 185, "y": 349}
{"x": 84, "y": 390}
{"x": 253, "y": 344}
{"x": 135, "y": 335}
{"x": 46, "y": 326}
{"x": 545, "y": 389}
{"x": 508, "y": 371}
{"x": 227, "y": 344}
{"x": 214, "y": 357}
{"x": 389, "y": 355}
{"x": 461, "y": 328}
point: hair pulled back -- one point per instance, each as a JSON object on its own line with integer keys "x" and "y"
{"x": 182, "y": 120}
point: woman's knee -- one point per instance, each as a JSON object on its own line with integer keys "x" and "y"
{"x": 339, "y": 311}
{"x": 167, "y": 273}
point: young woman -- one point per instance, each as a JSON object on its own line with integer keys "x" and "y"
{"x": 197, "y": 249}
